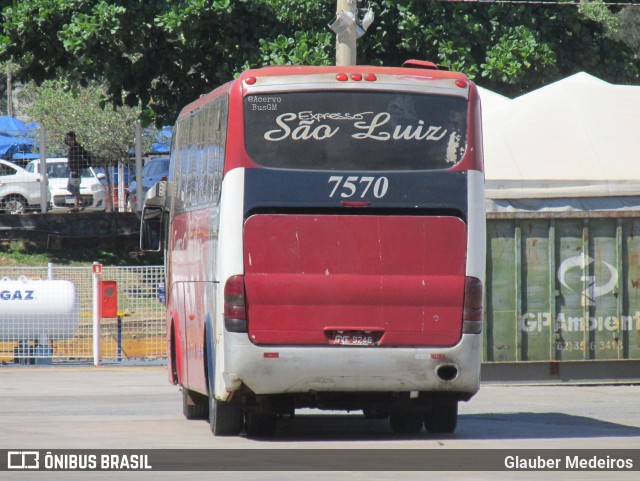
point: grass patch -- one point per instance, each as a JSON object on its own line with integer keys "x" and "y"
{"x": 74, "y": 252}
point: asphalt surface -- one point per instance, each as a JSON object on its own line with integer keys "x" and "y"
{"x": 70, "y": 407}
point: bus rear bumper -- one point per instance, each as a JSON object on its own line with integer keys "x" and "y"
{"x": 284, "y": 369}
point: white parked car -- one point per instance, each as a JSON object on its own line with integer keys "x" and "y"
{"x": 19, "y": 189}
{"x": 91, "y": 191}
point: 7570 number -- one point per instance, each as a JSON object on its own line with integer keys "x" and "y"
{"x": 353, "y": 185}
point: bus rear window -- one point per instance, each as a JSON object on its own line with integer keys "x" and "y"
{"x": 355, "y": 130}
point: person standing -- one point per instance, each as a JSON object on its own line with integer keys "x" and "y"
{"x": 78, "y": 159}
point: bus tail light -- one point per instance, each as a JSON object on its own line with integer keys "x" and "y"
{"x": 473, "y": 297}
{"x": 235, "y": 309}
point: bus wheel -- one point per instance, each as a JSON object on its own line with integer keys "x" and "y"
{"x": 442, "y": 418}
{"x": 405, "y": 422}
{"x": 260, "y": 425}
{"x": 225, "y": 418}
{"x": 194, "y": 405}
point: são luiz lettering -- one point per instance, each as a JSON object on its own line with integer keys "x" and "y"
{"x": 567, "y": 463}
{"x": 308, "y": 129}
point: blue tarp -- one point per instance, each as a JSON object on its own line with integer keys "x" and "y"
{"x": 4, "y": 140}
{"x": 10, "y": 146}
{"x": 13, "y": 127}
{"x": 162, "y": 144}
{"x": 16, "y": 139}
{"x": 25, "y": 157}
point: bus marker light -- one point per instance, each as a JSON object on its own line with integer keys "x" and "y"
{"x": 271, "y": 355}
{"x": 370, "y": 77}
{"x": 342, "y": 77}
{"x": 461, "y": 83}
{"x": 250, "y": 80}
{"x": 356, "y": 76}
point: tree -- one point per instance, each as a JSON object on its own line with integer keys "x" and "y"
{"x": 510, "y": 48}
{"x": 628, "y": 29}
{"x": 163, "y": 54}
{"x": 106, "y": 133}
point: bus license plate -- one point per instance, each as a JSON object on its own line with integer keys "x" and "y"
{"x": 353, "y": 339}
{"x": 69, "y": 200}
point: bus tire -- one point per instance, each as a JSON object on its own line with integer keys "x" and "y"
{"x": 194, "y": 405}
{"x": 260, "y": 425}
{"x": 405, "y": 422}
{"x": 174, "y": 359}
{"x": 442, "y": 418}
{"x": 225, "y": 418}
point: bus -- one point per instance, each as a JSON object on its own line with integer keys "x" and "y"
{"x": 324, "y": 240}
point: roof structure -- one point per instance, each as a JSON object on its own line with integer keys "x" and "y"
{"x": 575, "y": 138}
{"x": 491, "y": 100}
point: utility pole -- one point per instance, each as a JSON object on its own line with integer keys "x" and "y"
{"x": 9, "y": 90}
{"x": 349, "y": 27}
{"x": 345, "y": 28}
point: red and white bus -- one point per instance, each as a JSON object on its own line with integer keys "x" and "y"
{"x": 324, "y": 231}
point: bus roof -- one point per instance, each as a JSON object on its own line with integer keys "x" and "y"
{"x": 421, "y": 72}
{"x": 286, "y": 70}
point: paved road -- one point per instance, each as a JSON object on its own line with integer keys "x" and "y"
{"x": 135, "y": 408}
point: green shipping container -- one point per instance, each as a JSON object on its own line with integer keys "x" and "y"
{"x": 562, "y": 287}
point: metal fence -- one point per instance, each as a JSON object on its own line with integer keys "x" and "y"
{"x": 73, "y": 314}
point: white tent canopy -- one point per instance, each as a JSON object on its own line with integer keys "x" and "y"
{"x": 491, "y": 100}
{"x": 578, "y": 138}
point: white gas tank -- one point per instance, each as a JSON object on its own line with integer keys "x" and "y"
{"x": 32, "y": 309}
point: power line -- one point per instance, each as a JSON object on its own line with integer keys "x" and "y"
{"x": 542, "y": 2}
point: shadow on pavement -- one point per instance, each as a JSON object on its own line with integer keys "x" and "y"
{"x": 470, "y": 426}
